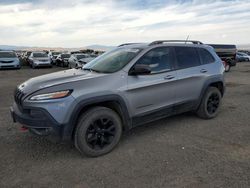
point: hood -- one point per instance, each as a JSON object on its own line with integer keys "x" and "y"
{"x": 56, "y": 78}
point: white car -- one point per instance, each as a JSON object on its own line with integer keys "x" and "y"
{"x": 53, "y": 55}
{"x": 241, "y": 56}
{"x": 78, "y": 60}
{"x": 9, "y": 59}
{"x": 39, "y": 59}
{"x": 63, "y": 59}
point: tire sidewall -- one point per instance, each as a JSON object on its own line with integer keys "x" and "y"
{"x": 83, "y": 124}
{"x": 209, "y": 92}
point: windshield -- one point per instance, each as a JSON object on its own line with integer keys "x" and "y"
{"x": 65, "y": 55}
{"x": 40, "y": 55}
{"x": 80, "y": 56}
{"x": 112, "y": 61}
{"x": 55, "y": 53}
{"x": 7, "y": 54}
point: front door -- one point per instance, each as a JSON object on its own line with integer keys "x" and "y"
{"x": 153, "y": 94}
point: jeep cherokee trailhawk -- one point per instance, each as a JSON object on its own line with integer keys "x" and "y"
{"x": 128, "y": 86}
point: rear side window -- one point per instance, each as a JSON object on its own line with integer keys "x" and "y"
{"x": 158, "y": 59}
{"x": 187, "y": 57}
{"x": 206, "y": 57}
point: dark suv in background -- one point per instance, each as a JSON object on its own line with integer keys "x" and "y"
{"x": 129, "y": 86}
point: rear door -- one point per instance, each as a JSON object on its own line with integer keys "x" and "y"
{"x": 153, "y": 93}
{"x": 191, "y": 76}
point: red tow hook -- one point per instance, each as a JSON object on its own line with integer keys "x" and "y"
{"x": 23, "y": 129}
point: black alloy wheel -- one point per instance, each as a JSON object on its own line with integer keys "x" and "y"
{"x": 100, "y": 133}
{"x": 210, "y": 103}
{"x": 213, "y": 103}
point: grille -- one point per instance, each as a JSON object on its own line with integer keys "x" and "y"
{"x": 6, "y": 61}
{"x": 18, "y": 95}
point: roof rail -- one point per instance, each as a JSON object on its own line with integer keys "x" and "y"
{"x": 165, "y": 41}
{"x": 125, "y": 44}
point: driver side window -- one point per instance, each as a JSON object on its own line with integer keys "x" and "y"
{"x": 158, "y": 59}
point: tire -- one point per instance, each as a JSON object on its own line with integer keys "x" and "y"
{"x": 33, "y": 66}
{"x": 98, "y": 131}
{"x": 227, "y": 67}
{"x": 210, "y": 104}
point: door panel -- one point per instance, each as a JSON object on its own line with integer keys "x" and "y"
{"x": 190, "y": 83}
{"x": 191, "y": 75}
{"x": 147, "y": 93}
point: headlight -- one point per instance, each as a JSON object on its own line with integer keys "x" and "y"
{"x": 54, "y": 95}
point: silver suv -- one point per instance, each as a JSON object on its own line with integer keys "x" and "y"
{"x": 131, "y": 85}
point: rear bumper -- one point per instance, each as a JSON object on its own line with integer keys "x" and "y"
{"x": 38, "y": 121}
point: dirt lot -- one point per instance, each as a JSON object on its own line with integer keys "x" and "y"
{"x": 181, "y": 151}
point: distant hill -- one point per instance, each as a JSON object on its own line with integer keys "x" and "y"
{"x": 9, "y": 47}
{"x": 100, "y": 47}
{"x": 94, "y": 47}
{"x": 244, "y": 46}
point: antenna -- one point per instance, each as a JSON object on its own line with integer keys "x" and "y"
{"x": 187, "y": 39}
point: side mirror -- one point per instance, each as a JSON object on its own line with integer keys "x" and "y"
{"x": 140, "y": 69}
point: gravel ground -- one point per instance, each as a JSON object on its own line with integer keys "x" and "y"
{"x": 181, "y": 151}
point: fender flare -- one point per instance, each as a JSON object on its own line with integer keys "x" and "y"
{"x": 70, "y": 126}
{"x": 206, "y": 85}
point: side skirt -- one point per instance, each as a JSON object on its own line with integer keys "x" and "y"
{"x": 163, "y": 113}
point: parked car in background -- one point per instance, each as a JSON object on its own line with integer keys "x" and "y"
{"x": 124, "y": 88}
{"x": 26, "y": 56}
{"x": 241, "y": 56}
{"x": 9, "y": 59}
{"x": 78, "y": 60}
{"x": 63, "y": 59}
{"x": 53, "y": 55}
{"x": 39, "y": 59}
{"x": 227, "y": 53}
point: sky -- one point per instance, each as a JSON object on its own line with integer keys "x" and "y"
{"x": 78, "y": 23}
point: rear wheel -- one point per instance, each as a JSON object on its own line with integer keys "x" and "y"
{"x": 210, "y": 103}
{"x": 227, "y": 67}
{"x": 98, "y": 131}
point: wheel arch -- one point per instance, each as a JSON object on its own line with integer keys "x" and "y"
{"x": 212, "y": 82}
{"x": 113, "y": 102}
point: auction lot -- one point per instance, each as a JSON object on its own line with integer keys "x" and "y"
{"x": 180, "y": 151}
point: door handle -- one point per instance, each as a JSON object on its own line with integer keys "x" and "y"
{"x": 203, "y": 71}
{"x": 168, "y": 77}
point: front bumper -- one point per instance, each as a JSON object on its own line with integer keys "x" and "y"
{"x": 38, "y": 120}
{"x": 9, "y": 65}
{"x": 42, "y": 64}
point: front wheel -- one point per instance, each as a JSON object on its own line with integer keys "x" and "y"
{"x": 98, "y": 131}
{"x": 210, "y": 103}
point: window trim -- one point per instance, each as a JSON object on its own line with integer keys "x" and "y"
{"x": 202, "y": 63}
{"x": 160, "y": 72}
